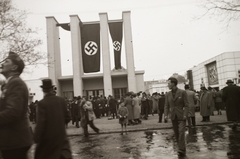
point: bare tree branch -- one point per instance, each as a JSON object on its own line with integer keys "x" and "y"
{"x": 224, "y": 10}
{"x": 17, "y": 37}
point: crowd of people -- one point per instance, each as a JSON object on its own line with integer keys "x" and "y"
{"x": 209, "y": 101}
{"x": 140, "y": 106}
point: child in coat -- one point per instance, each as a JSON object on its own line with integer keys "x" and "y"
{"x": 123, "y": 116}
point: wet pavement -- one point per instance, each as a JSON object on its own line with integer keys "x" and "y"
{"x": 213, "y": 142}
{"x": 153, "y": 140}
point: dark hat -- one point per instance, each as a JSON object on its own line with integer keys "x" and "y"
{"x": 128, "y": 93}
{"x": 47, "y": 84}
{"x": 229, "y": 81}
{"x": 202, "y": 85}
{"x": 16, "y": 60}
{"x": 209, "y": 88}
{"x": 186, "y": 86}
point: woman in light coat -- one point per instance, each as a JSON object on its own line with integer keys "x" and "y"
{"x": 128, "y": 104}
{"x": 136, "y": 109}
{"x": 87, "y": 116}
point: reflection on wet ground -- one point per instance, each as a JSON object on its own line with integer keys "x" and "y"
{"x": 213, "y": 142}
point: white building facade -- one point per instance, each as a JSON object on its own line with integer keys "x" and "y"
{"x": 110, "y": 82}
{"x": 216, "y": 71}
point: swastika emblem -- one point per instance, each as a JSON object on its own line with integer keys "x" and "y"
{"x": 91, "y": 48}
{"x": 117, "y": 45}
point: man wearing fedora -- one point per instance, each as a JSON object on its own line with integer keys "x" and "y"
{"x": 231, "y": 98}
{"x": 50, "y": 133}
{"x": 15, "y": 132}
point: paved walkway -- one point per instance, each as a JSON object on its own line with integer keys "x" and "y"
{"x": 112, "y": 126}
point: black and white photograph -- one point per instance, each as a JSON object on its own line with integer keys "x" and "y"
{"x": 119, "y": 79}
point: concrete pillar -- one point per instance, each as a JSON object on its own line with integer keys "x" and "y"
{"x": 129, "y": 51}
{"x": 53, "y": 49}
{"x": 104, "y": 32}
{"x": 76, "y": 55}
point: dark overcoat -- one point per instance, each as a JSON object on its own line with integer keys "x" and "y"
{"x": 205, "y": 103}
{"x": 191, "y": 98}
{"x": 231, "y": 98}
{"x": 50, "y": 133}
{"x": 14, "y": 122}
{"x": 161, "y": 103}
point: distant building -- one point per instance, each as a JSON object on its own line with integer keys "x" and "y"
{"x": 216, "y": 71}
{"x": 162, "y": 85}
{"x": 35, "y": 91}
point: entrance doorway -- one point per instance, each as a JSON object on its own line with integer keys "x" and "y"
{"x": 119, "y": 92}
{"x": 95, "y": 93}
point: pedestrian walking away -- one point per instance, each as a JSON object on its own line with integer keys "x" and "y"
{"x": 213, "y": 96}
{"x": 145, "y": 106}
{"x": 231, "y": 98}
{"x": 219, "y": 102}
{"x": 176, "y": 103}
{"x": 113, "y": 107}
{"x": 15, "y": 131}
{"x": 161, "y": 102}
{"x": 205, "y": 104}
{"x": 50, "y": 132}
{"x": 191, "y": 113}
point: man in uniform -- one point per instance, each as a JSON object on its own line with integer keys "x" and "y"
{"x": 15, "y": 132}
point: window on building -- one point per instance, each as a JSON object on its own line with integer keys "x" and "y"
{"x": 119, "y": 92}
{"x": 95, "y": 93}
{"x": 68, "y": 94}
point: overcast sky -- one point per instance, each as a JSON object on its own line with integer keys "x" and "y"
{"x": 167, "y": 36}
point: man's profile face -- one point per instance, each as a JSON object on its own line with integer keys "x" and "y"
{"x": 170, "y": 84}
{"x": 8, "y": 66}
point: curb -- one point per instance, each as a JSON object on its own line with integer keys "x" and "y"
{"x": 146, "y": 129}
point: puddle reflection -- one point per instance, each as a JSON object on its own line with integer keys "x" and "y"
{"x": 215, "y": 142}
{"x": 218, "y": 141}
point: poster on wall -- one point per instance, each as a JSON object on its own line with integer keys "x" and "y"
{"x": 212, "y": 73}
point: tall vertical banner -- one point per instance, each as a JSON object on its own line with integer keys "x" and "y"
{"x": 90, "y": 37}
{"x": 212, "y": 73}
{"x": 116, "y": 34}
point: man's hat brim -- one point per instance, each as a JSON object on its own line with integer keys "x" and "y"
{"x": 46, "y": 87}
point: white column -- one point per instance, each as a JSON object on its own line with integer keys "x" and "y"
{"x": 76, "y": 55}
{"x": 107, "y": 80}
{"x": 129, "y": 51}
{"x": 53, "y": 49}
